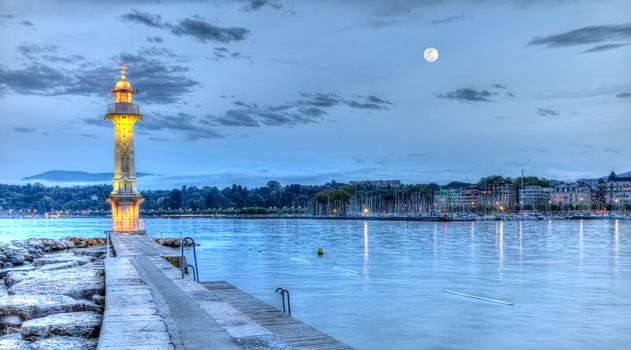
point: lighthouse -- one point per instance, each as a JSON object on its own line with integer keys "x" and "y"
{"x": 125, "y": 198}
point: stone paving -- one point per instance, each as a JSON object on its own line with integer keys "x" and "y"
{"x": 149, "y": 306}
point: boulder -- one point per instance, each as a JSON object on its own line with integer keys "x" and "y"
{"x": 15, "y": 277}
{"x": 34, "y": 306}
{"x": 14, "y": 342}
{"x": 4, "y": 272}
{"x": 64, "y": 343}
{"x": 77, "y": 283}
{"x": 62, "y": 258}
{"x": 95, "y": 252}
{"x": 76, "y": 324}
{"x": 10, "y": 321}
{"x": 15, "y": 259}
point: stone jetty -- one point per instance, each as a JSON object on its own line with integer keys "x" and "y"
{"x": 51, "y": 293}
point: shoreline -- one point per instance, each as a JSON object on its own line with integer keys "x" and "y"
{"x": 424, "y": 217}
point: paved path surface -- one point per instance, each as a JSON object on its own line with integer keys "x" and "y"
{"x": 149, "y": 306}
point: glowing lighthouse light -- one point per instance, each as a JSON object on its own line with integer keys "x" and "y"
{"x": 125, "y": 198}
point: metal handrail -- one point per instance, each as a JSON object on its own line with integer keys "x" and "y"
{"x": 285, "y": 295}
{"x": 196, "y": 276}
{"x": 194, "y": 272}
{"x": 123, "y": 108}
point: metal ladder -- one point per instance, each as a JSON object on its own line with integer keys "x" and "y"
{"x": 284, "y": 293}
{"x": 195, "y": 268}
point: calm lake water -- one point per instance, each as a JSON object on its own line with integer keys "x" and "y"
{"x": 380, "y": 285}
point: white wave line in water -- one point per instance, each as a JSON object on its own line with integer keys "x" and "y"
{"x": 298, "y": 259}
{"x": 347, "y": 270}
{"x": 478, "y": 297}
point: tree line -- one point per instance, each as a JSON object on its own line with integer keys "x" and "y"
{"x": 271, "y": 198}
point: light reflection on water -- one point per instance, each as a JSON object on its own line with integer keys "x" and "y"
{"x": 569, "y": 281}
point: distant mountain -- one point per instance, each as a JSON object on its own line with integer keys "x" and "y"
{"x": 75, "y": 176}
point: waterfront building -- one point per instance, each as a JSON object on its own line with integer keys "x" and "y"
{"x": 495, "y": 196}
{"x": 617, "y": 191}
{"x": 574, "y": 196}
{"x": 125, "y": 198}
{"x": 446, "y": 199}
{"x": 468, "y": 198}
{"x": 534, "y": 197}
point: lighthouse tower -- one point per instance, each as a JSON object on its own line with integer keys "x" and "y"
{"x": 125, "y": 198}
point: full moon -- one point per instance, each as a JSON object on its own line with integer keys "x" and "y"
{"x": 430, "y": 54}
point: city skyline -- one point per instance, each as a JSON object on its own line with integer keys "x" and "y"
{"x": 299, "y": 92}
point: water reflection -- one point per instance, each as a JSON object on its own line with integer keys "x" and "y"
{"x": 580, "y": 244}
{"x": 365, "y": 247}
{"x": 501, "y": 247}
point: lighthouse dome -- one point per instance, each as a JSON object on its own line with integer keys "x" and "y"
{"x": 123, "y": 85}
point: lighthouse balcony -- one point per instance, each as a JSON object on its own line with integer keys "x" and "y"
{"x": 123, "y": 108}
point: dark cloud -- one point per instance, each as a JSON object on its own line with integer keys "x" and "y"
{"x": 154, "y": 71}
{"x": 467, "y": 95}
{"x": 195, "y": 27}
{"x": 222, "y": 53}
{"x": 547, "y": 112}
{"x": 585, "y": 35}
{"x": 145, "y": 18}
{"x": 309, "y": 109}
{"x": 24, "y": 130}
{"x": 445, "y": 20}
{"x": 509, "y": 94}
{"x": 499, "y": 86}
{"x": 27, "y": 23}
{"x": 205, "y": 31}
{"x": 624, "y": 94}
{"x": 155, "y": 39}
{"x": 189, "y": 126}
{"x": 238, "y": 117}
{"x": 7, "y": 16}
{"x": 254, "y": 5}
{"x": 604, "y": 48}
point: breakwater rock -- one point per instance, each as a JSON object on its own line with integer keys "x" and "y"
{"x": 51, "y": 292}
{"x": 172, "y": 242}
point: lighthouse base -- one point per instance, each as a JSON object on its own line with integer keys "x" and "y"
{"x": 125, "y": 214}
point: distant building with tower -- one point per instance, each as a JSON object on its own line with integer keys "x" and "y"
{"x": 125, "y": 198}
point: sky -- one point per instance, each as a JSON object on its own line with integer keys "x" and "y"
{"x": 312, "y": 91}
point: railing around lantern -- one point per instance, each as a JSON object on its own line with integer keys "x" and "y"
{"x": 123, "y": 108}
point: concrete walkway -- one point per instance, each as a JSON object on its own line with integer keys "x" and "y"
{"x": 149, "y": 306}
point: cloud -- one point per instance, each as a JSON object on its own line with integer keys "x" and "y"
{"x": 604, "y": 47}
{"x": 221, "y": 53}
{"x": 547, "y": 112}
{"x": 254, "y": 5}
{"x": 310, "y": 108}
{"x": 205, "y": 31}
{"x": 155, "y": 39}
{"x": 156, "y": 72}
{"x": 187, "y": 125}
{"x": 624, "y": 94}
{"x": 27, "y": 23}
{"x": 145, "y": 18}
{"x": 585, "y": 35}
{"x": 445, "y": 20}
{"x": 612, "y": 150}
{"x": 23, "y": 130}
{"x": 195, "y": 27}
{"x": 468, "y": 95}
{"x": 499, "y": 86}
